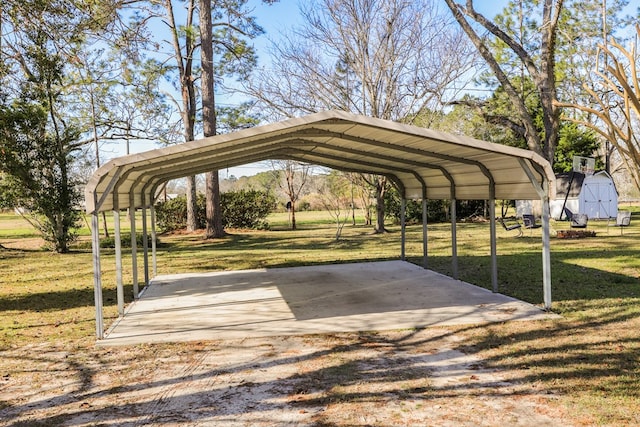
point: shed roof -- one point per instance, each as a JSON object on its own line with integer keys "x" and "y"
{"x": 414, "y": 158}
{"x": 569, "y": 184}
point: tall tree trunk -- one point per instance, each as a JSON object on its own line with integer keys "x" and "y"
{"x": 192, "y": 219}
{"x": 381, "y": 186}
{"x": 292, "y": 215}
{"x": 188, "y": 94}
{"x": 214, "y": 212}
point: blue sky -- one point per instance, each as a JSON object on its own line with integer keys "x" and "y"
{"x": 285, "y": 13}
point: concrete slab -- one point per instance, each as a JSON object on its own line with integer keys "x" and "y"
{"x": 308, "y": 300}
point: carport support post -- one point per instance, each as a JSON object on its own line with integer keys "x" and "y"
{"x": 494, "y": 252}
{"x": 145, "y": 243}
{"x": 154, "y": 263}
{"x": 543, "y": 192}
{"x": 97, "y": 273}
{"x": 546, "y": 250}
{"x": 119, "y": 286}
{"x": 134, "y": 247}
{"x": 403, "y": 238}
{"x": 425, "y": 249}
{"x": 454, "y": 239}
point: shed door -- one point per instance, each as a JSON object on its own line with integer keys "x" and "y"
{"x": 598, "y": 200}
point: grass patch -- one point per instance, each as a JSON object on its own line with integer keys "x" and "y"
{"x": 15, "y": 227}
{"x": 590, "y": 359}
{"x": 304, "y": 220}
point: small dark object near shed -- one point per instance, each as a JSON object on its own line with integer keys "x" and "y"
{"x": 579, "y": 220}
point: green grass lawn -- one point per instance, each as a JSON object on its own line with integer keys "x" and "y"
{"x": 590, "y": 358}
{"x": 13, "y": 226}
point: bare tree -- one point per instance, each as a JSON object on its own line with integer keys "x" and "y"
{"x": 383, "y": 58}
{"x": 292, "y": 178}
{"x": 361, "y": 191}
{"x": 616, "y": 102}
{"x": 335, "y": 195}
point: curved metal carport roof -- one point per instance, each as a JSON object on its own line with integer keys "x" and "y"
{"x": 412, "y": 156}
{"x": 424, "y": 164}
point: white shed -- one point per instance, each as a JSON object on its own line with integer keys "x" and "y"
{"x": 593, "y": 195}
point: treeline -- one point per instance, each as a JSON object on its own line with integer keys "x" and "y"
{"x": 249, "y": 208}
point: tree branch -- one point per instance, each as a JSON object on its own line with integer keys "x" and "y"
{"x": 509, "y": 41}
{"x": 531, "y": 134}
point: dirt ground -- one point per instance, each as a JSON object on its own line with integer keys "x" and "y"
{"x": 401, "y": 378}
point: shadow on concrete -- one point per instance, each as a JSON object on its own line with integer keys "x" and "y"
{"x": 308, "y": 300}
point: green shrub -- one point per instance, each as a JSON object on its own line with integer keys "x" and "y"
{"x": 246, "y": 208}
{"x": 437, "y": 210}
{"x": 172, "y": 214}
{"x": 110, "y": 242}
{"x": 125, "y": 241}
{"x": 240, "y": 209}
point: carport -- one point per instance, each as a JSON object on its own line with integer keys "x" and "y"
{"x": 422, "y": 163}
